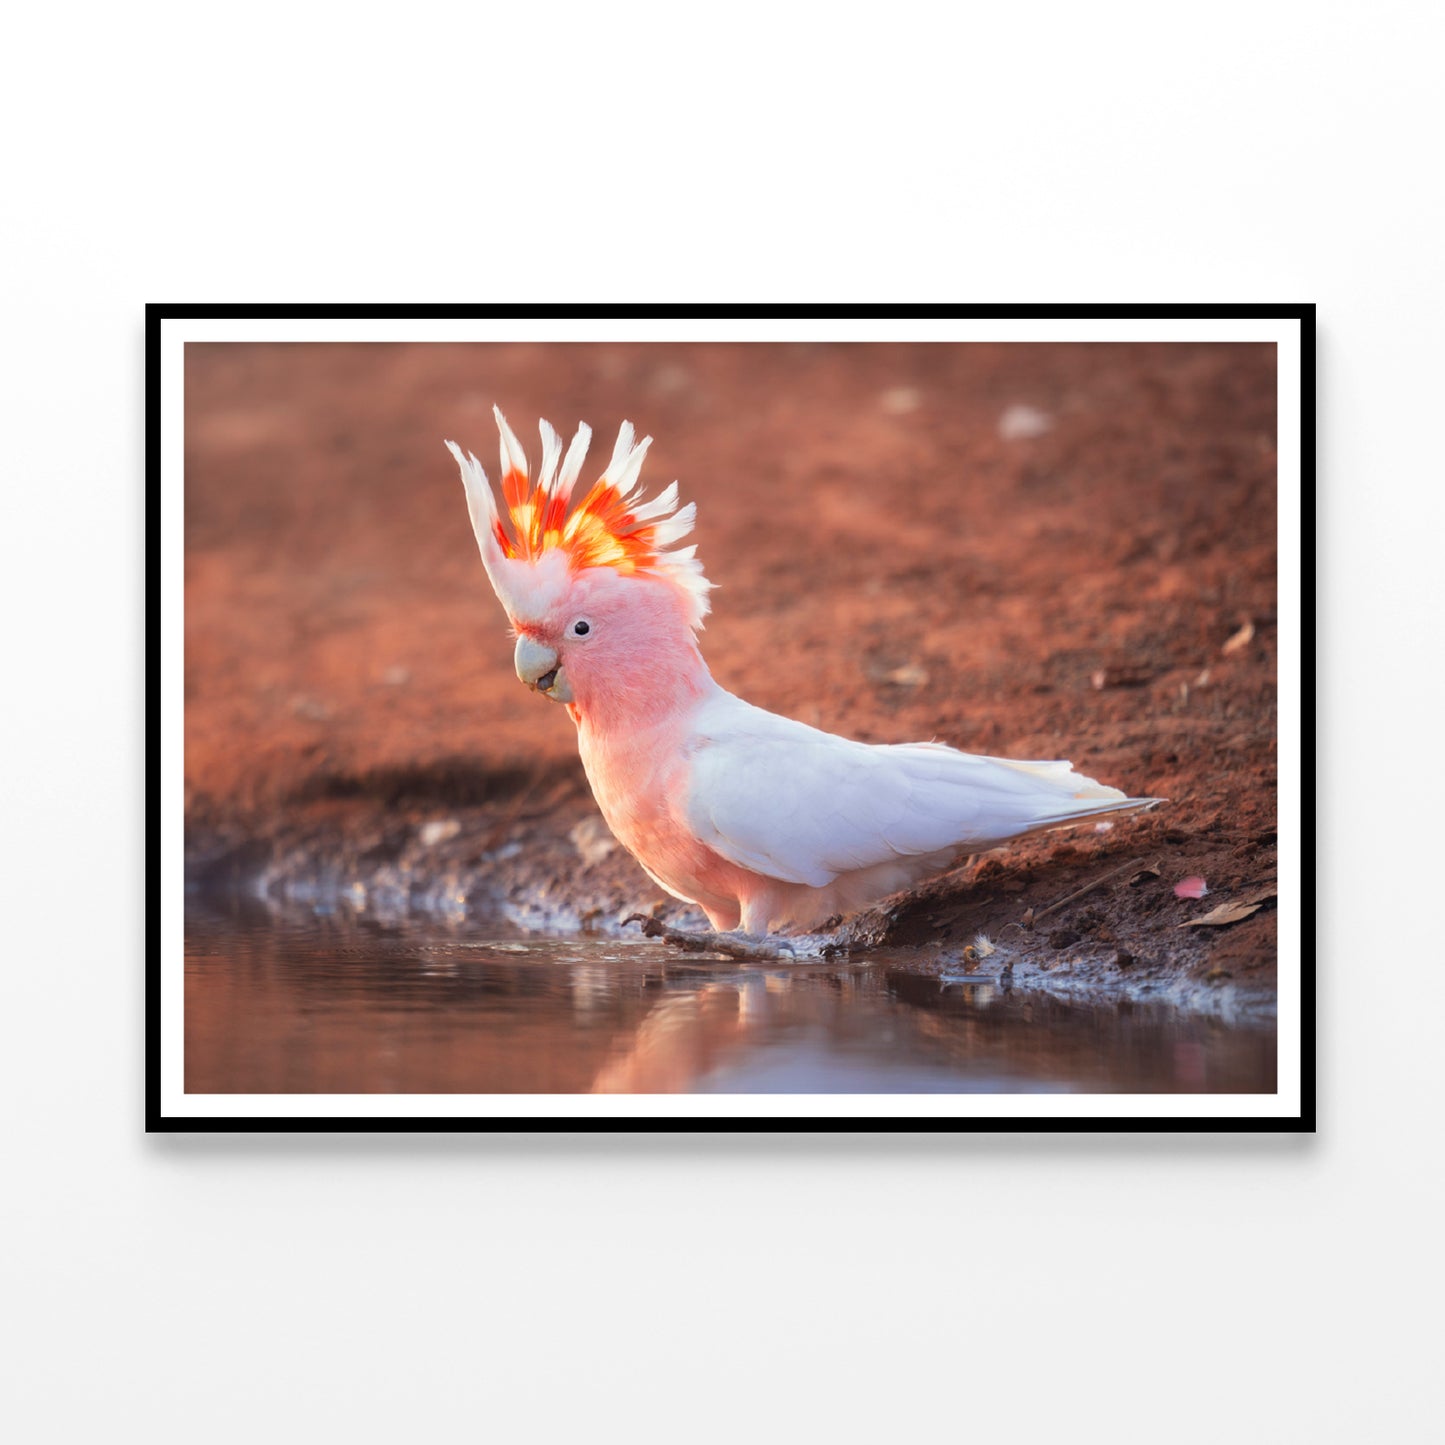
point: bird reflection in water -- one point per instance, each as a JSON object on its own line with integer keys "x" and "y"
{"x": 306, "y": 1004}
{"x": 689, "y": 1035}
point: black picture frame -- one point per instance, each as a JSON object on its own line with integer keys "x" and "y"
{"x": 157, "y": 1119}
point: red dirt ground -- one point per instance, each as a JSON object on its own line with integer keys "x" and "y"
{"x": 891, "y": 565}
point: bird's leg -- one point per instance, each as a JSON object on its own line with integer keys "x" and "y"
{"x": 733, "y": 945}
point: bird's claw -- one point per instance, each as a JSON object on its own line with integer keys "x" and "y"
{"x": 651, "y": 928}
{"x": 732, "y": 945}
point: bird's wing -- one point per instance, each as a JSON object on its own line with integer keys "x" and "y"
{"x": 803, "y": 806}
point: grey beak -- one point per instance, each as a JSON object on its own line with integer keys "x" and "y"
{"x": 536, "y": 664}
{"x": 541, "y": 669}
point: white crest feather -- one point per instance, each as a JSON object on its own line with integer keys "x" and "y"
{"x": 481, "y": 505}
{"x": 572, "y": 462}
{"x": 551, "y": 452}
{"x": 514, "y": 459}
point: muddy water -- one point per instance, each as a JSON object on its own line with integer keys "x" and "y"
{"x": 336, "y": 1004}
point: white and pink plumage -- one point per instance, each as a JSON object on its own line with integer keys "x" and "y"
{"x": 766, "y": 824}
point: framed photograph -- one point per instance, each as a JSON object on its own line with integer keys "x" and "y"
{"x": 698, "y": 718}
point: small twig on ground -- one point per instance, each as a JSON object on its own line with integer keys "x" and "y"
{"x": 1087, "y": 888}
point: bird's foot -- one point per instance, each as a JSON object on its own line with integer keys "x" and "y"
{"x": 733, "y": 945}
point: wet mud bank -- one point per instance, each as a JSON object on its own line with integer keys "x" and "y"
{"x": 1090, "y": 914}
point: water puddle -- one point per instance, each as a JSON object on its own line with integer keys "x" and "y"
{"x": 340, "y": 1004}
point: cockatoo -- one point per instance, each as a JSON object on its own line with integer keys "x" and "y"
{"x": 766, "y": 824}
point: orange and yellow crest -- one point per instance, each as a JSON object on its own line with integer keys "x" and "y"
{"x": 611, "y": 527}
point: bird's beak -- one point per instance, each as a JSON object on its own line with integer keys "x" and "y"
{"x": 541, "y": 669}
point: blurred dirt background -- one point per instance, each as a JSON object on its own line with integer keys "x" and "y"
{"x": 1036, "y": 551}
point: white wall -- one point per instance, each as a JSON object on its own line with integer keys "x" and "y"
{"x": 233, "y": 1289}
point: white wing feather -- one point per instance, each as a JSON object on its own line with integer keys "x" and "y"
{"x": 803, "y": 806}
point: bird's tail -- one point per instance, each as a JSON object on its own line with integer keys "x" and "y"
{"x": 1060, "y": 797}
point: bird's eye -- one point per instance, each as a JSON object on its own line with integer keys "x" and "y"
{"x": 581, "y": 628}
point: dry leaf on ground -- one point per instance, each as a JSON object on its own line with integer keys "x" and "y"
{"x": 1242, "y": 638}
{"x": 910, "y": 675}
{"x": 1224, "y": 914}
{"x": 1121, "y": 676}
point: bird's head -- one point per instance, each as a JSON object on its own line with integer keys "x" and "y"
{"x": 603, "y": 604}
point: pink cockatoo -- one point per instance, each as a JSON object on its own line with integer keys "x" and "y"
{"x": 766, "y": 824}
